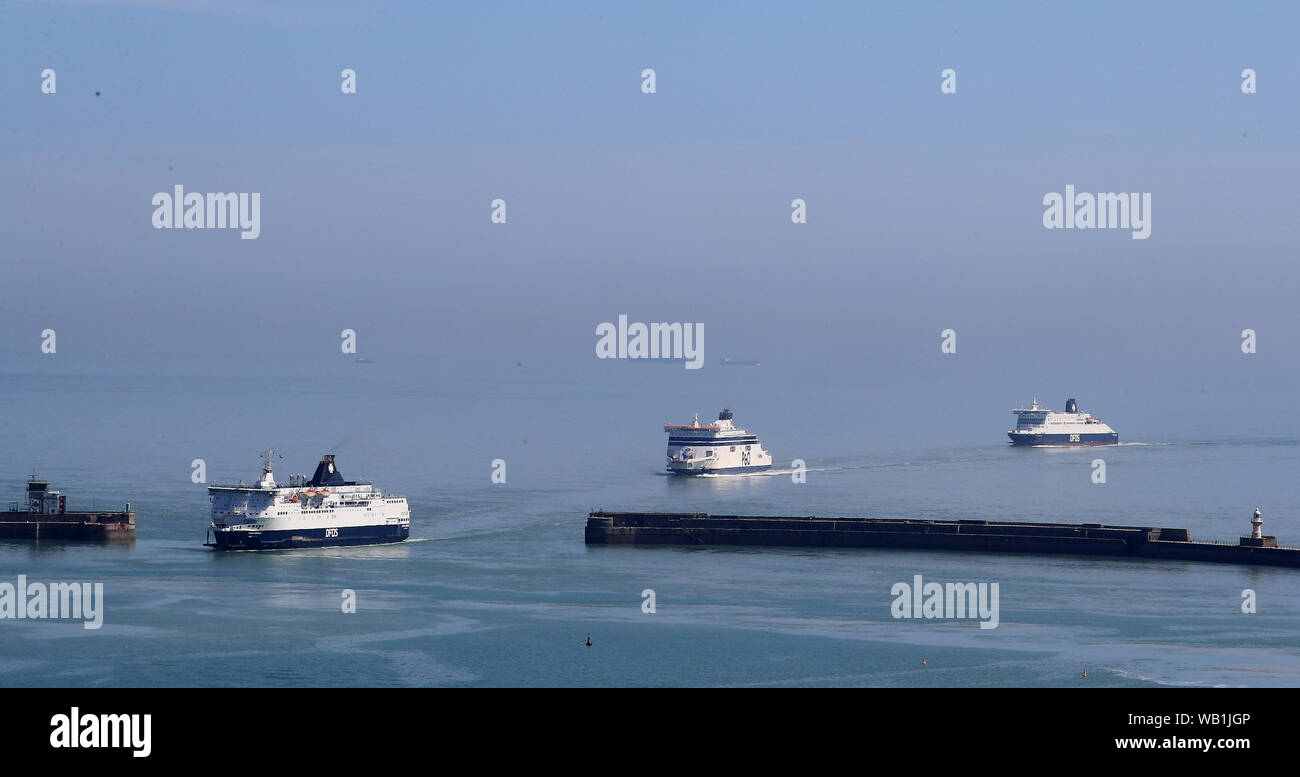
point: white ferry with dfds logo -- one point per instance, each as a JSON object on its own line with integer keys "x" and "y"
{"x": 718, "y": 449}
{"x": 1039, "y": 426}
{"x": 326, "y": 510}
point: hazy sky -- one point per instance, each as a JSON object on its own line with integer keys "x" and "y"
{"x": 924, "y": 210}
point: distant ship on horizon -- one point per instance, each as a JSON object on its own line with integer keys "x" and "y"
{"x": 1039, "y": 426}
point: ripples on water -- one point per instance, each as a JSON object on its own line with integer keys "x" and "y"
{"x": 497, "y": 588}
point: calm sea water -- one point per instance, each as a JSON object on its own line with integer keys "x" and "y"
{"x": 496, "y": 586}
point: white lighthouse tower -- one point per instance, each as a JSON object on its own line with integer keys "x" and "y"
{"x": 1257, "y": 538}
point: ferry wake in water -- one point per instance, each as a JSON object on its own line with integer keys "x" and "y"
{"x": 326, "y": 510}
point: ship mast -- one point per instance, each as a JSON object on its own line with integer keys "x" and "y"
{"x": 268, "y": 480}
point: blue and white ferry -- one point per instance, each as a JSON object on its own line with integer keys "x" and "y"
{"x": 714, "y": 450}
{"x": 326, "y": 510}
{"x": 1039, "y": 426}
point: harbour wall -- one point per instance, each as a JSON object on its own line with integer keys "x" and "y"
{"x": 97, "y": 526}
{"x": 632, "y": 528}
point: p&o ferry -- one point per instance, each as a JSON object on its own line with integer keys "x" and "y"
{"x": 718, "y": 449}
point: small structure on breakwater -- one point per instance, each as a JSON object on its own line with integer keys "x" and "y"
{"x": 45, "y": 516}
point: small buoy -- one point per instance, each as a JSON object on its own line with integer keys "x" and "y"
{"x": 589, "y": 639}
{"x": 1085, "y": 673}
{"x": 922, "y": 660}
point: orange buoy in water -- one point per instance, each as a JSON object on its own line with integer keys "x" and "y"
{"x": 922, "y": 660}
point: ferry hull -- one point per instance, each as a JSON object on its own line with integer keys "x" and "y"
{"x": 235, "y": 539}
{"x": 1103, "y": 438}
{"x": 684, "y": 470}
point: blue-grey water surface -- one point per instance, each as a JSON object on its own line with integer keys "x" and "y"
{"x": 496, "y": 586}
